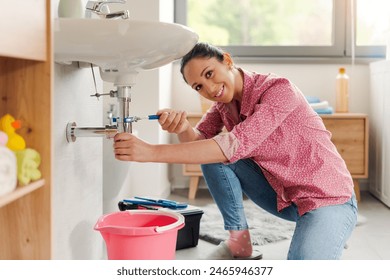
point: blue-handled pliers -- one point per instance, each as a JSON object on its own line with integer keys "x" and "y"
{"x": 171, "y": 204}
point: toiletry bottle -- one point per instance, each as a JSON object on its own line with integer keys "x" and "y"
{"x": 71, "y": 8}
{"x": 342, "y": 91}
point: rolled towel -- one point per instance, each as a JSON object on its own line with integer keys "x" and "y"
{"x": 320, "y": 105}
{"x": 8, "y": 177}
{"x": 28, "y": 163}
{"x": 312, "y": 99}
{"x": 328, "y": 110}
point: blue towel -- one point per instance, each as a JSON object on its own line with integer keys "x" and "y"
{"x": 312, "y": 99}
{"x": 328, "y": 110}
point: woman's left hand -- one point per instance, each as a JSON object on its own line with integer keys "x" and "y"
{"x": 128, "y": 147}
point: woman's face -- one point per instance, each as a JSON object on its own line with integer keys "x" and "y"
{"x": 211, "y": 78}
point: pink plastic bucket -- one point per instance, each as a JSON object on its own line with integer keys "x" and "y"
{"x": 140, "y": 234}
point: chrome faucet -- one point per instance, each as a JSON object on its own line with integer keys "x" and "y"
{"x": 101, "y": 9}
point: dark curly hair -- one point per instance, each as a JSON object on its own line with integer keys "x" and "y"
{"x": 201, "y": 50}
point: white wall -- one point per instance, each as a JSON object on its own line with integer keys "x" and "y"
{"x": 76, "y": 189}
{"x": 76, "y": 167}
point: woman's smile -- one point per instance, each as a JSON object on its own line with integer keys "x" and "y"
{"x": 220, "y": 92}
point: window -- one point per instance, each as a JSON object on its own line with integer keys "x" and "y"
{"x": 288, "y": 28}
{"x": 374, "y": 22}
{"x": 372, "y": 28}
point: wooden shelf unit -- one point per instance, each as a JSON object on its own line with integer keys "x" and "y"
{"x": 25, "y": 93}
{"x": 349, "y": 134}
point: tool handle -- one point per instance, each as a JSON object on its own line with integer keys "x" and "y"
{"x": 152, "y": 202}
{"x": 153, "y": 117}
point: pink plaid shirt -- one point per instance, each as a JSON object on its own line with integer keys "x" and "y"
{"x": 275, "y": 126}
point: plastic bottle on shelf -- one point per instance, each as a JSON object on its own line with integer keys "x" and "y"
{"x": 342, "y": 91}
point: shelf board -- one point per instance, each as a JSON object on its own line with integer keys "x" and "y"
{"x": 21, "y": 191}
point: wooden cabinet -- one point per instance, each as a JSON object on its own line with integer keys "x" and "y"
{"x": 25, "y": 93}
{"x": 349, "y": 134}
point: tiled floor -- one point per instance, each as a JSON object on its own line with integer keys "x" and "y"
{"x": 369, "y": 241}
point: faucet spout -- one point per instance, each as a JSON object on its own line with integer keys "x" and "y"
{"x": 122, "y": 14}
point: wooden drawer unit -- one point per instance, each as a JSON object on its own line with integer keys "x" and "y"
{"x": 349, "y": 134}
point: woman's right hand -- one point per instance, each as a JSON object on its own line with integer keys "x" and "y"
{"x": 173, "y": 121}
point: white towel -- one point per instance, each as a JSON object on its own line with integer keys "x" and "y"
{"x": 320, "y": 105}
{"x": 8, "y": 175}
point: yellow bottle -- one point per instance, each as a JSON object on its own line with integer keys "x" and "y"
{"x": 342, "y": 91}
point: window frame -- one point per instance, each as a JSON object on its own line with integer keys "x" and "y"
{"x": 340, "y": 49}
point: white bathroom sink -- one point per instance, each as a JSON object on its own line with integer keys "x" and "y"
{"x": 120, "y": 47}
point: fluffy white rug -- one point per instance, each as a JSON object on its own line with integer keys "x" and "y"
{"x": 264, "y": 227}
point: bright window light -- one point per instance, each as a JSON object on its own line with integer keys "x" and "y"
{"x": 373, "y": 22}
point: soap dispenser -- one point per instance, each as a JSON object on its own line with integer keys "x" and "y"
{"x": 72, "y": 8}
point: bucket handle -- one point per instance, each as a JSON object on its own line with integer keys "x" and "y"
{"x": 180, "y": 221}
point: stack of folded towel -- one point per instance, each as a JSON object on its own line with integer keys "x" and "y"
{"x": 321, "y": 107}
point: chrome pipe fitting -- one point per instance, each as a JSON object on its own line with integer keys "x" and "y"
{"x": 122, "y": 123}
{"x": 72, "y": 131}
{"x": 124, "y": 99}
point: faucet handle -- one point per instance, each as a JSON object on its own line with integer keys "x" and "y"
{"x": 98, "y": 6}
{"x": 101, "y": 8}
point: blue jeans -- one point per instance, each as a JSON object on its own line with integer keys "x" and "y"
{"x": 319, "y": 234}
